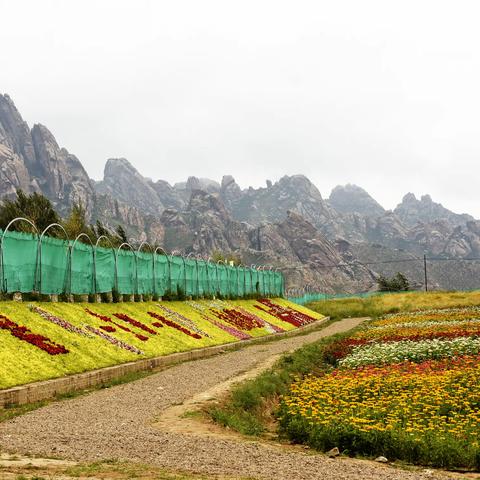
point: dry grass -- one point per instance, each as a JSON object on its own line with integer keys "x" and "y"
{"x": 392, "y": 303}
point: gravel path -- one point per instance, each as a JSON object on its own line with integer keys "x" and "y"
{"x": 117, "y": 423}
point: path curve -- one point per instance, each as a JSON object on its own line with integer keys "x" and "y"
{"x": 118, "y": 423}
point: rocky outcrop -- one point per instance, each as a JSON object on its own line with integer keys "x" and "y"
{"x": 33, "y": 161}
{"x": 169, "y": 196}
{"x": 123, "y": 182}
{"x": 13, "y": 173}
{"x": 60, "y": 175}
{"x": 291, "y": 193}
{"x": 15, "y": 134}
{"x": 353, "y": 199}
{"x": 411, "y": 211}
{"x": 230, "y": 192}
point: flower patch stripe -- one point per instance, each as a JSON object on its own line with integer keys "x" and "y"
{"x": 26, "y": 335}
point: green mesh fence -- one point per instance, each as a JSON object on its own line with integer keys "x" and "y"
{"x": 54, "y": 266}
{"x": 19, "y": 262}
{"x": 162, "y": 275}
{"x": 81, "y": 269}
{"x": 105, "y": 269}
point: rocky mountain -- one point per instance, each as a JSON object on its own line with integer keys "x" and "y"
{"x": 353, "y": 199}
{"x": 33, "y": 161}
{"x": 270, "y": 204}
{"x": 411, "y": 211}
{"x": 337, "y": 244}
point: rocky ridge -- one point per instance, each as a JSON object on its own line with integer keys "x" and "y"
{"x": 287, "y": 224}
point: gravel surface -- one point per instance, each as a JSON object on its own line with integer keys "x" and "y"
{"x": 117, "y": 423}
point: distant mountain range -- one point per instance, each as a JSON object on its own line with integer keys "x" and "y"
{"x": 287, "y": 224}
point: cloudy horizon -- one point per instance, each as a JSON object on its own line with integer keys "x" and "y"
{"x": 381, "y": 95}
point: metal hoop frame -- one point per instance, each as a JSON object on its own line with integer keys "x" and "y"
{"x": 172, "y": 254}
{"x": 72, "y": 249}
{"x": 4, "y": 280}
{"x": 115, "y": 280}
{"x": 165, "y": 254}
{"x": 126, "y": 244}
{"x": 200, "y": 262}
{"x": 139, "y": 249}
{"x": 39, "y": 279}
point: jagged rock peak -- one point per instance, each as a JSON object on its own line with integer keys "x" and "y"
{"x": 409, "y": 198}
{"x": 123, "y": 182}
{"x": 196, "y": 183}
{"x": 411, "y": 211}
{"x": 14, "y": 131}
{"x": 301, "y": 184}
{"x": 202, "y": 202}
{"x": 227, "y": 180}
{"x": 354, "y": 199}
{"x": 61, "y": 175}
{"x": 114, "y": 166}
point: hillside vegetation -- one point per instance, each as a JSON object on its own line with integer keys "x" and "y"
{"x": 394, "y": 303}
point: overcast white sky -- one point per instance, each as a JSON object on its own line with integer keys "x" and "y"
{"x": 384, "y": 94}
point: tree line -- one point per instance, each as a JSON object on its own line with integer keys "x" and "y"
{"x": 39, "y": 209}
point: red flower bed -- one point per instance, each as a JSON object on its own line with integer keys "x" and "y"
{"x": 168, "y": 322}
{"x": 286, "y": 314}
{"x": 108, "y": 319}
{"x": 241, "y": 320}
{"x": 157, "y": 324}
{"x": 340, "y": 349}
{"x": 108, "y": 328}
{"x": 134, "y": 322}
{"x": 25, "y": 334}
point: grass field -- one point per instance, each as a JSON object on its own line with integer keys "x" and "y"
{"x": 375, "y": 306}
{"x": 40, "y": 341}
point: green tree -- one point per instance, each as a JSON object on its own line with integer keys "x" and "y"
{"x": 226, "y": 257}
{"x": 397, "y": 283}
{"x": 34, "y": 207}
{"x": 121, "y": 234}
{"x": 76, "y": 223}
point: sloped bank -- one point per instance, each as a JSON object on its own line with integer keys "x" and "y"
{"x": 41, "y": 342}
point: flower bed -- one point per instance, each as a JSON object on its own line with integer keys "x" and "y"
{"x": 286, "y": 314}
{"x": 25, "y": 334}
{"x": 172, "y": 324}
{"x": 101, "y": 335}
{"x": 127, "y": 319}
{"x": 406, "y": 386}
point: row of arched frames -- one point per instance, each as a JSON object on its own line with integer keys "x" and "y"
{"x": 263, "y": 289}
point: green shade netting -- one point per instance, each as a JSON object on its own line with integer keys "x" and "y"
{"x": 213, "y": 285}
{"x": 126, "y": 272}
{"x": 177, "y": 275}
{"x": 105, "y": 269}
{"x": 19, "y": 262}
{"x": 190, "y": 279}
{"x": 53, "y": 270}
{"x": 223, "y": 279}
{"x": 144, "y": 272}
{"x": 162, "y": 279}
{"x": 81, "y": 269}
{"x": 203, "y": 287}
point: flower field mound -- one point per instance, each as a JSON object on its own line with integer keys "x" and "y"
{"x": 40, "y": 341}
{"x": 406, "y": 386}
